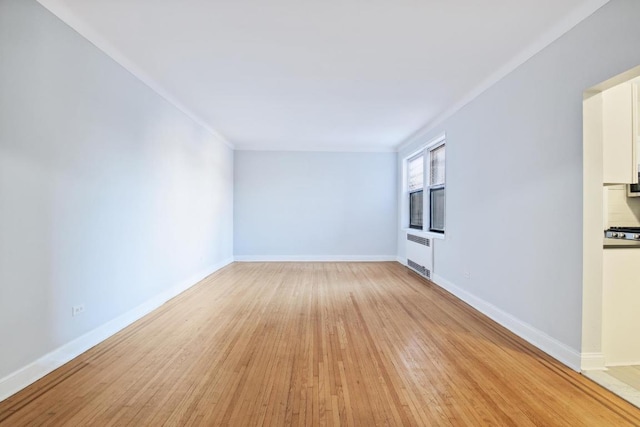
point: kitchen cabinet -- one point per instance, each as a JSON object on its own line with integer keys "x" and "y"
{"x": 619, "y": 115}
{"x": 621, "y": 306}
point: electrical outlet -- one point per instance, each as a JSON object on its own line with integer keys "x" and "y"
{"x": 77, "y": 309}
{"x": 467, "y": 275}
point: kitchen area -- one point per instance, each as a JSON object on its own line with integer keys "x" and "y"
{"x": 611, "y": 119}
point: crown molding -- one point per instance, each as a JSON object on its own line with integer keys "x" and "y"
{"x": 547, "y": 38}
{"x": 316, "y": 148}
{"x": 578, "y": 15}
{"x": 62, "y": 12}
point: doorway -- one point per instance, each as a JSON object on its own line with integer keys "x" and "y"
{"x": 611, "y": 285}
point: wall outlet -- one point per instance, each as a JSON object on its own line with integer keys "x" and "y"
{"x": 467, "y": 275}
{"x": 77, "y": 309}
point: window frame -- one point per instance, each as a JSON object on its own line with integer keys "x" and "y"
{"x": 410, "y": 193}
{"x": 412, "y": 226}
{"x": 425, "y": 151}
{"x": 431, "y": 187}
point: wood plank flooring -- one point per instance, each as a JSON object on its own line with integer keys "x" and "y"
{"x": 280, "y": 344}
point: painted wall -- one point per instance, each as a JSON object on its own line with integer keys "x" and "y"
{"x": 304, "y": 205}
{"x": 514, "y": 177}
{"x": 109, "y": 195}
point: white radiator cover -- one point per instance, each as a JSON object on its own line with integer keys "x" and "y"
{"x": 419, "y": 251}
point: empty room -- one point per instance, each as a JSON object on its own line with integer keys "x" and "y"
{"x": 357, "y": 213}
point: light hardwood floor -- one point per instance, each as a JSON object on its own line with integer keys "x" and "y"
{"x": 315, "y": 344}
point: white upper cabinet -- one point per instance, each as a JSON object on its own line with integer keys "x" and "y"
{"x": 620, "y": 133}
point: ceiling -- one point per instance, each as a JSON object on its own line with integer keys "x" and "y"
{"x": 348, "y": 75}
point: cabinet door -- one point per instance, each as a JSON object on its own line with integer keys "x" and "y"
{"x": 619, "y": 134}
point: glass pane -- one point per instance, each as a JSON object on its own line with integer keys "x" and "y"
{"x": 437, "y": 209}
{"x": 415, "y": 209}
{"x": 437, "y": 159}
{"x": 415, "y": 169}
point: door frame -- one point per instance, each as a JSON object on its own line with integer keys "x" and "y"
{"x": 592, "y": 356}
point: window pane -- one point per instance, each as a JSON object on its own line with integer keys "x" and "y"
{"x": 415, "y": 209}
{"x": 436, "y": 158}
{"x": 437, "y": 209}
{"x": 416, "y": 173}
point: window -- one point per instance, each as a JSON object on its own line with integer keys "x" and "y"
{"x": 436, "y": 188}
{"x": 415, "y": 168}
{"x": 426, "y": 175}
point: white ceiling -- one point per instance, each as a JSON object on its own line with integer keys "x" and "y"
{"x": 320, "y": 75}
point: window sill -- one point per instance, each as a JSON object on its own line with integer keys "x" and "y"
{"x": 422, "y": 233}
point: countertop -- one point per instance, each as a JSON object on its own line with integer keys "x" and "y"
{"x": 620, "y": 243}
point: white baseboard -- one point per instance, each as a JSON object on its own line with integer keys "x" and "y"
{"x": 29, "y": 374}
{"x": 402, "y": 260}
{"x": 592, "y": 362}
{"x": 315, "y": 258}
{"x": 544, "y": 342}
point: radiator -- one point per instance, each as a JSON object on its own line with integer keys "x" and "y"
{"x": 420, "y": 254}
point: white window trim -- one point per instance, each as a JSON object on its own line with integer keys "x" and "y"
{"x": 424, "y": 233}
{"x": 424, "y": 149}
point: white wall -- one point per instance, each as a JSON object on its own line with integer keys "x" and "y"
{"x": 315, "y": 205}
{"x": 109, "y": 195}
{"x": 514, "y": 177}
